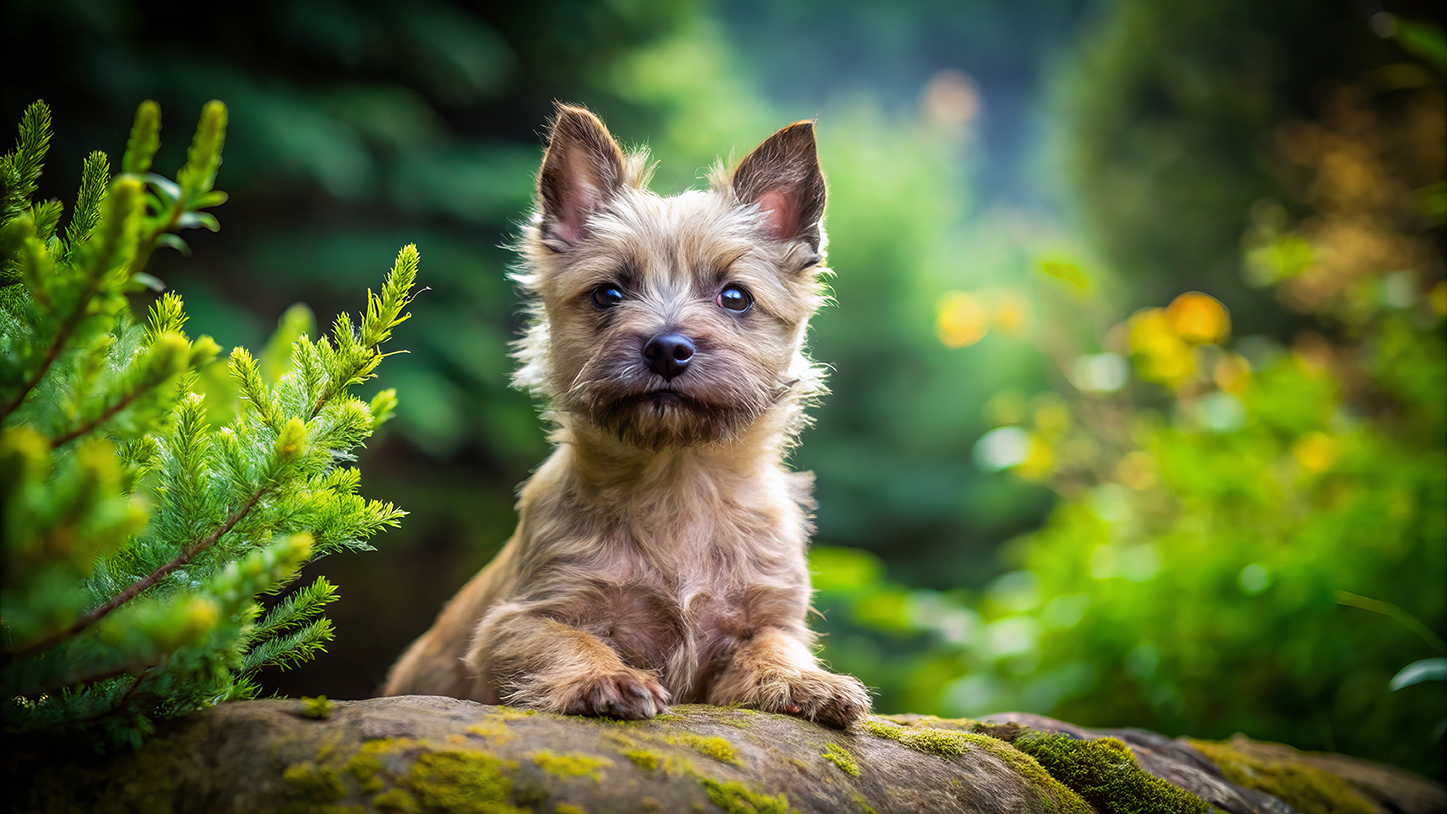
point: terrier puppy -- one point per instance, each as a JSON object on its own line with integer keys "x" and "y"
{"x": 659, "y": 554}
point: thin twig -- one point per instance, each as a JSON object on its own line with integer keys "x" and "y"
{"x": 61, "y": 337}
{"x": 103, "y": 418}
{"x": 142, "y": 584}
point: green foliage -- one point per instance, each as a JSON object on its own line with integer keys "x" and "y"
{"x": 1252, "y": 535}
{"x": 137, "y": 535}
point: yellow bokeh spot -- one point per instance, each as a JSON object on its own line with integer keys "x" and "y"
{"x": 1161, "y": 354}
{"x": 1039, "y": 460}
{"x": 1232, "y": 373}
{"x": 1199, "y": 318}
{"x": 962, "y": 320}
{"x": 1314, "y": 451}
{"x": 202, "y": 614}
{"x": 1137, "y": 470}
{"x": 1006, "y": 407}
{"x": 1012, "y": 314}
{"x": 1438, "y": 298}
{"x": 1053, "y": 417}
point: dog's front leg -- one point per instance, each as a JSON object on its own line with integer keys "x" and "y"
{"x": 775, "y": 671}
{"x": 528, "y": 659}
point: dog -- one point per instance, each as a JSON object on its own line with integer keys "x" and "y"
{"x": 659, "y": 555}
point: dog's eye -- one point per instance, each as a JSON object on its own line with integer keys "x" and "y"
{"x": 734, "y": 298}
{"x": 606, "y": 296}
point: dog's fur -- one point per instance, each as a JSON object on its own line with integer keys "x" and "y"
{"x": 659, "y": 554}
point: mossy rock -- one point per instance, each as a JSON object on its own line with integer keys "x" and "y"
{"x": 426, "y": 754}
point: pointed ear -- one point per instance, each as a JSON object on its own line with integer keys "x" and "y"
{"x": 582, "y": 169}
{"x": 782, "y": 176}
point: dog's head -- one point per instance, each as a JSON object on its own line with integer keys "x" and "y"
{"x": 672, "y": 321}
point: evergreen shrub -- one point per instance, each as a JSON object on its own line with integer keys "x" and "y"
{"x": 138, "y": 538}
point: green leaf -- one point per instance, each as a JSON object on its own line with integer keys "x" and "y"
{"x": 1434, "y": 669}
{"x": 194, "y": 220}
{"x": 173, "y": 241}
{"x": 166, "y": 190}
{"x": 145, "y": 138}
{"x": 1422, "y": 39}
{"x": 141, "y": 281}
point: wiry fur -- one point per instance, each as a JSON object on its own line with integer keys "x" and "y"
{"x": 659, "y": 554}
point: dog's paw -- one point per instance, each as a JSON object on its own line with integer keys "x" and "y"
{"x": 833, "y": 700}
{"x": 830, "y": 699}
{"x": 628, "y": 694}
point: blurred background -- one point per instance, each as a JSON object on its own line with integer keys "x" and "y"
{"x": 1139, "y": 380}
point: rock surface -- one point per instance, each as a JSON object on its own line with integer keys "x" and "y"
{"x": 427, "y": 754}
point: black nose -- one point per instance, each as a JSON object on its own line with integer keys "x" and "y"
{"x": 668, "y": 355}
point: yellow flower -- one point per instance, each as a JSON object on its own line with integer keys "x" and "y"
{"x": 1314, "y": 451}
{"x": 962, "y": 320}
{"x": 1161, "y": 354}
{"x": 1199, "y": 318}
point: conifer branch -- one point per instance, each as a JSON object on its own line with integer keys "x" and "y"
{"x": 179, "y": 203}
{"x": 61, "y": 337}
{"x": 384, "y": 313}
{"x": 89, "y": 426}
{"x": 143, "y": 584}
{"x": 128, "y": 647}
{"x": 168, "y": 356}
{"x": 121, "y": 702}
{"x": 122, "y": 203}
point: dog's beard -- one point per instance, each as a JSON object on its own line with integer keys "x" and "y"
{"x": 720, "y": 395}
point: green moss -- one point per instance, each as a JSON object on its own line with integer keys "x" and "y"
{"x": 1064, "y": 799}
{"x": 643, "y": 757}
{"x": 571, "y": 764}
{"x": 736, "y": 798}
{"x": 495, "y": 731}
{"x": 619, "y": 739}
{"x": 1305, "y": 788}
{"x": 396, "y": 801}
{"x": 319, "y": 707}
{"x": 667, "y": 716}
{"x": 366, "y": 768}
{"x": 839, "y": 756}
{"x": 1105, "y": 774}
{"x": 863, "y": 804}
{"x": 714, "y": 747}
{"x": 568, "y": 808}
{"x": 933, "y": 741}
{"x": 314, "y": 784}
{"x": 650, "y": 804}
{"x": 462, "y": 781}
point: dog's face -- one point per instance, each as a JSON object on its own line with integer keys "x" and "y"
{"x": 672, "y": 321}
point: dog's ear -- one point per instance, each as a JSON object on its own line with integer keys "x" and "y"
{"x": 582, "y": 169}
{"x": 783, "y": 177}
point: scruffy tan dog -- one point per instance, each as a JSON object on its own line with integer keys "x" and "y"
{"x": 659, "y": 555}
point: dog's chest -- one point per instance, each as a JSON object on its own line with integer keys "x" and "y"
{"x": 683, "y": 615}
